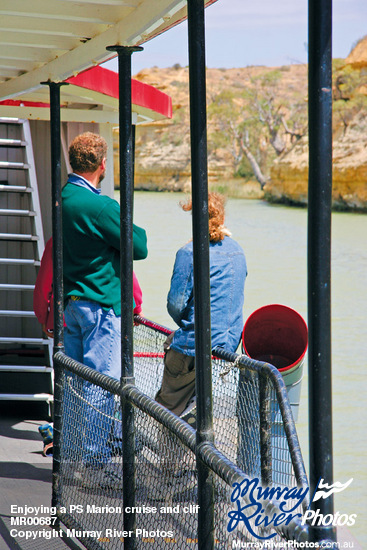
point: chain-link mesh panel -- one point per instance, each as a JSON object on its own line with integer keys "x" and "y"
{"x": 283, "y": 473}
{"x": 167, "y": 481}
{"x": 90, "y": 469}
{"x": 166, "y": 478}
{"x": 90, "y": 490}
{"x": 236, "y": 416}
{"x": 236, "y": 420}
{"x": 236, "y": 408}
{"x": 148, "y": 359}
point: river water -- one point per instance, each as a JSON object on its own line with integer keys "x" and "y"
{"x": 274, "y": 239}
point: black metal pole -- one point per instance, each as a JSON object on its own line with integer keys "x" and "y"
{"x": 58, "y": 286}
{"x": 126, "y": 254}
{"x": 319, "y": 255}
{"x": 133, "y": 138}
{"x": 200, "y": 224}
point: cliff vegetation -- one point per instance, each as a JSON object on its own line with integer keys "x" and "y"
{"x": 257, "y": 132}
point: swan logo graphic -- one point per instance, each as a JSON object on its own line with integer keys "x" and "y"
{"x": 324, "y": 490}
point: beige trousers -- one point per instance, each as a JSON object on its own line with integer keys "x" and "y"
{"x": 178, "y": 382}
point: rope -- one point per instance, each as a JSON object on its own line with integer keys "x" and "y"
{"x": 68, "y": 379}
{"x": 228, "y": 368}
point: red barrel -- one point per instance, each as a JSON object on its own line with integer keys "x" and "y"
{"x": 276, "y": 334}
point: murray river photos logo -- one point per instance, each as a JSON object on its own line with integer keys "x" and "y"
{"x": 253, "y": 508}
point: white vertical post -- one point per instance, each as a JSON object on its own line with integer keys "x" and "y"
{"x": 108, "y": 184}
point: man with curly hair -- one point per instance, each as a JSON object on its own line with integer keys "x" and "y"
{"x": 228, "y": 272}
{"x": 91, "y": 232}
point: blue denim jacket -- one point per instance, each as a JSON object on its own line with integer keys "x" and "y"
{"x": 228, "y": 272}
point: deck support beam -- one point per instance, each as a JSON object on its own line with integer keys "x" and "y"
{"x": 126, "y": 159}
{"x": 319, "y": 256}
{"x": 200, "y": 221}
{"x": 58, "y": 286}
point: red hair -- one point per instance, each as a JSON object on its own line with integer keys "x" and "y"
{"x": 216, "y": 202}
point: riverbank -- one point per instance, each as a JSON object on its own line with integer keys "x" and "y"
{"x": 232, "y": 188}
{"x": 249, "y": 190}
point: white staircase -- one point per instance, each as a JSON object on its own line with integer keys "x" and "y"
{"x": 26, "y": 372}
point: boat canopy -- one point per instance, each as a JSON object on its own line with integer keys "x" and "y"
{"x": 53, "y": 40}
{"x": 91, "y": 96}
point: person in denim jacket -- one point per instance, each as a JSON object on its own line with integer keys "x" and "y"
{"x": 228, "y": 272}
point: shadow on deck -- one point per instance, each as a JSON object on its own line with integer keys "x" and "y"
{"x": 25, "y": 476}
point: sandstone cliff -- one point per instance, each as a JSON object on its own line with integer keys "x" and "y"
{"x": 358, "y": 56}
{"x": 289, "y": 176}
{"x": 163, "y": 148}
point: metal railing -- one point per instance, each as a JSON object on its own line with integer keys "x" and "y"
{"x": 255, "y": 438}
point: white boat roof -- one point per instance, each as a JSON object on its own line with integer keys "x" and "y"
{"x": 91, "y": 96}
{"x": 53, "y": 40}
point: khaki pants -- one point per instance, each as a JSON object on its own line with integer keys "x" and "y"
{"x": 178, "y": 383}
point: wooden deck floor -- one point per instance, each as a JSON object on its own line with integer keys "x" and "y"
{"x": 25, "y": 476}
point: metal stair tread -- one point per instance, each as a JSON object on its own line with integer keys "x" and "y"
{"x": 19, "y": 261}
{"x": 16, "y": 313}
{"x": 7, "y": 142}
{"x": 14, "y": 212}
{"x": 6, "y": 286}
{"x": 11, "y": 120}
{"x": 7, "y": 165}
{"x": 16, "y": 340}
{"x": 18, "y": 237}
{"x": 16, "y": 188}
{"x": 25, "y": 368}
{"x": 26, "y": 397}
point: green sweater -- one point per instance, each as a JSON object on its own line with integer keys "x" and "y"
{"x": 91, "y": 232}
